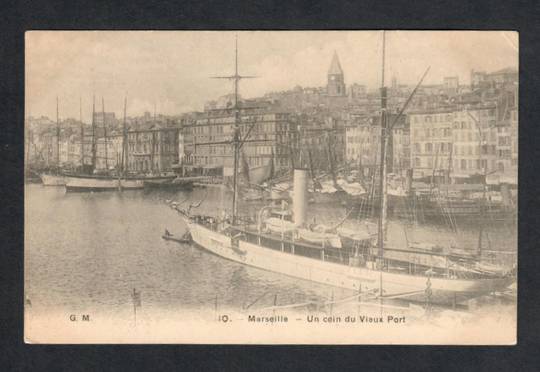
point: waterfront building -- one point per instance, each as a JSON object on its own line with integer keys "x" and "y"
{"x": 108, "y": 151}
{"x": 205, "y": 142}
{"x": 325, "y": 138}
{"x": 475, "y": 142}
{"x": 400, "y": 143}
{"x": 431, "y": 142}
{"x": 359, "y": 142}
{"x": 363, "y": 138}
{"x": 64, "y": 151}
{"x": 152, "y": 149}
{"x": 46, "y": 147}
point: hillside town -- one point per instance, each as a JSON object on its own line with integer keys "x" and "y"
{"x": 455, "y": 132}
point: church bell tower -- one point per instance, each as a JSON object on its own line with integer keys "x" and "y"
{"x": 336, "y": 82}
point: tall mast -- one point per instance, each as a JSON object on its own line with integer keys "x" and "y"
{"x": 236, "y": 140}
{"x": 386, "y": 132}
{"x": 104, "y": 132}
{"x": 382, "y": 181}
{"x": 124, "y": 140}
{"x": 331, "y": 160}
{"x": 236, "y": 134}
{"x": 57, "y": 136}
{"x": 82, "y": 132}
{"x": 93, "y": 133}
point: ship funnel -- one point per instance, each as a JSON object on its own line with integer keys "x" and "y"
{"x": 300, "y": 196}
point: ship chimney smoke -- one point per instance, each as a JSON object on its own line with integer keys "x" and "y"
{"x": 300, "y": 196}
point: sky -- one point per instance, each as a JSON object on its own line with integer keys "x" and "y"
{"x": 172, "y": 69}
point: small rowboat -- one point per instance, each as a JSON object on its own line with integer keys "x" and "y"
{"x": 184, "y": 239}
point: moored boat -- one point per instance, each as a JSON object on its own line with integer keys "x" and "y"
{"x": 53, "y": 179}
{"x": 85, "y": 183}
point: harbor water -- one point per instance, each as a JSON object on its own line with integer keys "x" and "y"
{"x": 86, "y": 252}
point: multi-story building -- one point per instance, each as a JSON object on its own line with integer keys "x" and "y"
{"x": 474, "y": 136}
{"x": 498, "y": 78}
{"x": 451, "y": 85}
{"x": 109, "y": 151}
{"x": 503, "y": 77}
{"x": 325, "y": 139}
{"x": 110, "y": 118}
{"x": 64, "y": 151}
{"x": 431, "y": 142}
{"x": 271, "y": 134}
{"x": 477, "y": 78}
{"x": 363, "y": 139}
{"x": 152, "y": 149}
{"x": 46, "y": 147}
{"x": 357, "y": 91}
{"x": 400, "y": 145}
{"x": 358, "y": 141}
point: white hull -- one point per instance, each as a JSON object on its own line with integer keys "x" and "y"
{"x": 78, "y": 183}
{"x": 53, "y": 179}
{"x": 444, "y": 291}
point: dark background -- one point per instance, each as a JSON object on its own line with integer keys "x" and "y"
{"x": 20, "y": 16}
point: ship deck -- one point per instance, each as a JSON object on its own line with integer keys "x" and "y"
{"x": 357, "y": 254}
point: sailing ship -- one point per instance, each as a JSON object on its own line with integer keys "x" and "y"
{"x": 111, "y": 181}
{"x": 54, "y": 176}
{"x": 339, "y": 257}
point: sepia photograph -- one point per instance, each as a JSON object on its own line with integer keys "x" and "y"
{"x": 271, "y": 187}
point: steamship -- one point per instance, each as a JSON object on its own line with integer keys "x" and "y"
{"x": 282, "y": 241}
{"x": 341, "y": 258}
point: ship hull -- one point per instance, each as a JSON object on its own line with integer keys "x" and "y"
{"x": 52, "y": 179}
{"x": 444, "y": 291}
{"x": 96, "y": 183}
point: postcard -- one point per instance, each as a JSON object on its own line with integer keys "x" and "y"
{"x": 271, "y": 187}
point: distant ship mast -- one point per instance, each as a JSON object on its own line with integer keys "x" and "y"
{"x": 57, "y": 136}
{"x": 93, "y": 133}
{"x": 82, "y": 134}
{"x": 124, "y": 141}
{"x": 382, "y": 181}
{"x": 104, "y": 132}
